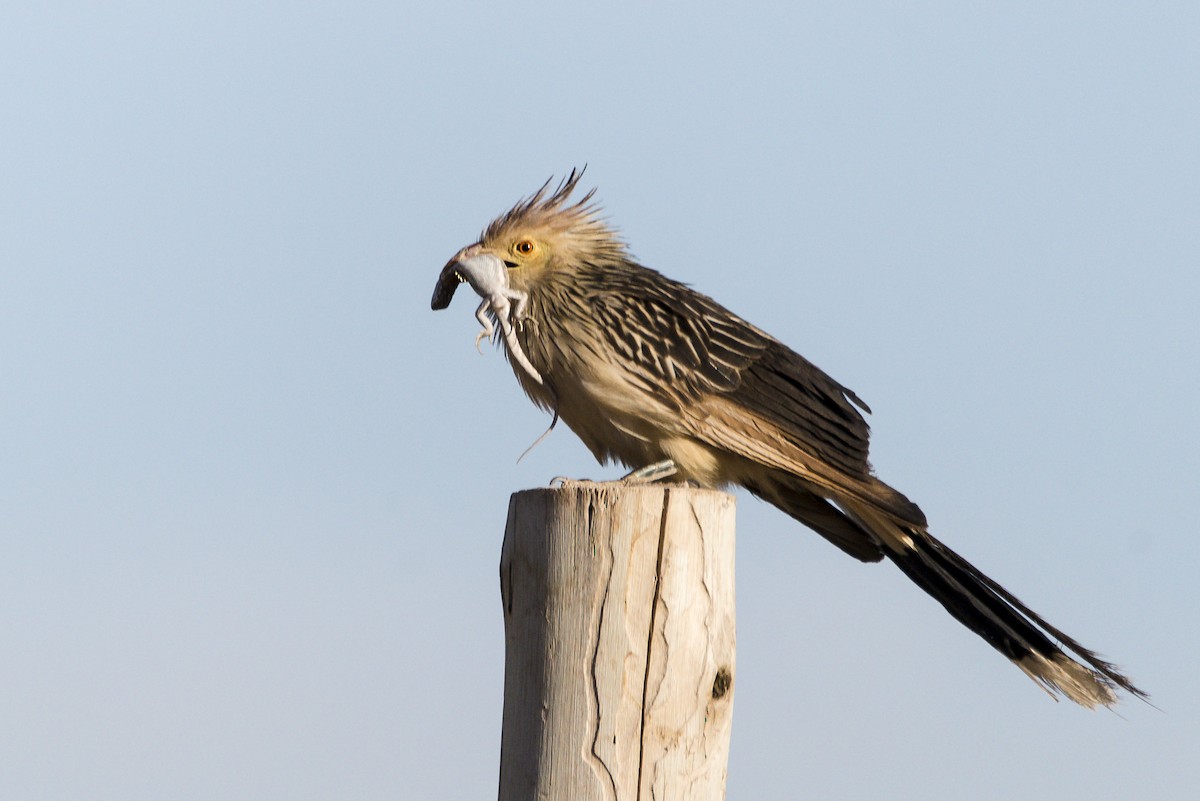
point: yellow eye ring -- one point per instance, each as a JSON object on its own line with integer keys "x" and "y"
{"x": 524, "y": 247}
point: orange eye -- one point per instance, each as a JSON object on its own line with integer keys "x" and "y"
{"x": 524, "y": 247}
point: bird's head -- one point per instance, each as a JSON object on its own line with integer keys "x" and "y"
{"x": 541, "y": 236}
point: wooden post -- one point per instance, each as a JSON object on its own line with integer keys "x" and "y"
{"x": 619, "y": 636}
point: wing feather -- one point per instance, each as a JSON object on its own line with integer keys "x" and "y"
{"x": 741, "y": 390}
{"x": 693, "y": 347}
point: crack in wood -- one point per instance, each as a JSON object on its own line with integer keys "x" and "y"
{"x": 598, "y": 763}
{"x": 662, "y": 537}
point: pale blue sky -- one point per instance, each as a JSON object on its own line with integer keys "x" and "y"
{"x": 252, "y": 490}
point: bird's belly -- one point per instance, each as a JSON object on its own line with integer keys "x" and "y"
{"x": 618, "y": 421}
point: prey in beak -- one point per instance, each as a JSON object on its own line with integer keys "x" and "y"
{"x": 488, "y": 276}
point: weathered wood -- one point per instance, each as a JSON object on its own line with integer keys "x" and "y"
{"x": 619, "y": 632}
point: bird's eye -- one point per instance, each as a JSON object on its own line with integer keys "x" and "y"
{"x": 524, "y": 247}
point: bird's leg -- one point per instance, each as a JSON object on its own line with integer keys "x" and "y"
{"x": 652, "y": 472}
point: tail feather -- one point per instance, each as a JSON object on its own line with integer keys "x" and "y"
{"x": 1002, "y": 620}
{"x": 789, "y": 494}
{"x": 1108, "y": 670}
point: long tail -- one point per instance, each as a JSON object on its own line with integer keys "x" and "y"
{"x": 992, "y": 612}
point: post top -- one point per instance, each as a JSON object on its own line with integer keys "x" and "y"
{"x": 567, "y": 487}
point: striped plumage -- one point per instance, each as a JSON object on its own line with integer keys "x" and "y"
{"x": 643, "y": 368}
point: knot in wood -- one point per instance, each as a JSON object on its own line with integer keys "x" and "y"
{"x": 721, "y": 683}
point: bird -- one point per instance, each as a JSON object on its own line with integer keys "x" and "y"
{"x": 647, "y": 371}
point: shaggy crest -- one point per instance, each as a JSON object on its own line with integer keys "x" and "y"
{"x": 580, "y": 222}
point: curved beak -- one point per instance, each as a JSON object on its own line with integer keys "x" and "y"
{"x": 447, "y": 282}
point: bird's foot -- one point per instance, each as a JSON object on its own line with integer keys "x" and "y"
{"x": 647, "y": 475}
{"x": 643, "y": 475}
{"x": 652, "y": 472}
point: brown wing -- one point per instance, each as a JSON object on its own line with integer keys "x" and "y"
{"x": 741, "y": 390}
